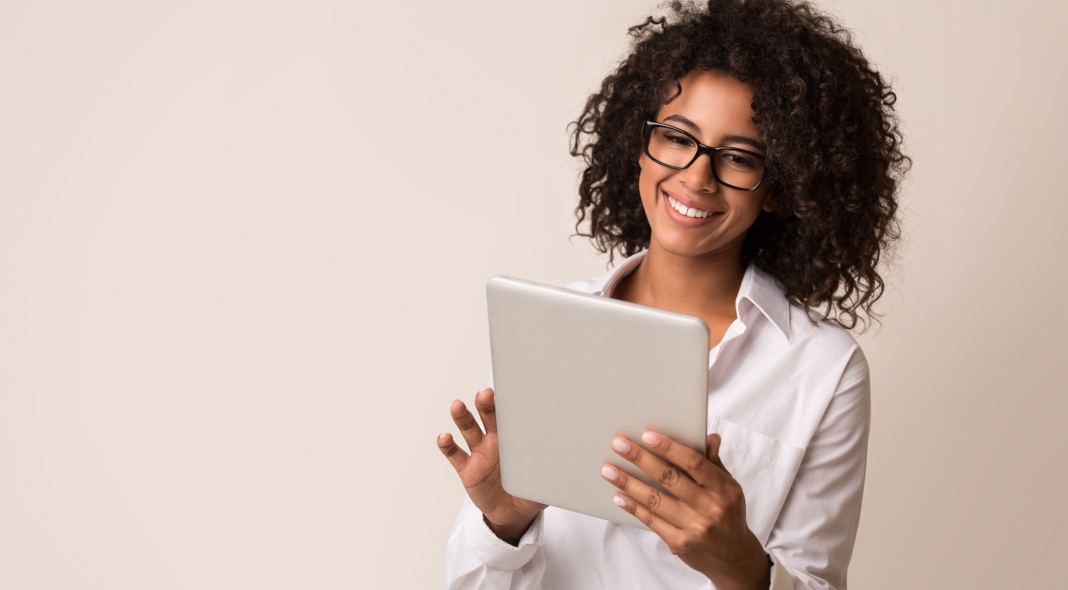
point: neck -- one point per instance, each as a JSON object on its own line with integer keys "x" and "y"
{"x": 704, "y": 286}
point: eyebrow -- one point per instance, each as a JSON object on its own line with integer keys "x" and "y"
{"x": 727, "y": 139}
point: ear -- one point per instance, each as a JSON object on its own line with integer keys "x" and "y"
{"x": 771, "y": 201}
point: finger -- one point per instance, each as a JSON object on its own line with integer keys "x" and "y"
{"x": 696, "y": 464}
{"x": 661, "y": 471}
{"x": 713, "y": 443}
{"x": 487, "y": 409}
{"x": 469, "y": 428}
{"x": 667, "y": 531}
{"x": 452, "y": 451}
{"x": 657, "y": 502}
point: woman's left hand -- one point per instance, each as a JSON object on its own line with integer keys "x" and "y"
{"x": 705, "y": 523}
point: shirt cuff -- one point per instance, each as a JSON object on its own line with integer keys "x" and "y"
{"x": 780, "y": 578}
{"x": 494, "y": 552}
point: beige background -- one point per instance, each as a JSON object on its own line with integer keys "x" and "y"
{"x": 242, "y": 256}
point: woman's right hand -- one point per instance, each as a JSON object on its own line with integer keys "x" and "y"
{"x": 507, "y": 516}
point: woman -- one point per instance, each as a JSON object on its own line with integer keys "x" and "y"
{"x": 746, "y": 158}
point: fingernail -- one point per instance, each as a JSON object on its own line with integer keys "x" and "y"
{"x": 620, "y": 445}
{"x": 609, "y": 473}
{"x": 650, "y": 439}
{"x": 618, "y": 501}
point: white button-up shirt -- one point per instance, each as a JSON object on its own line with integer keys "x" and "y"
{"x": 791, "y": 401}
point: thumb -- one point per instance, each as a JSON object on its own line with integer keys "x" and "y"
{"x": 712, "y": 445}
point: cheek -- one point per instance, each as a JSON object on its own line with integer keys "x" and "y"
{"x": 747, "y": 212}
{"x": 649, "y": 180}
{"x": 750, "y": 205}
{"x": 763, "y": 202}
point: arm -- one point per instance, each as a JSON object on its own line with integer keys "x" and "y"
{"x": 812, "y": 541}
{"x": 497, "y": 536}
{"x": 476, "y": 558}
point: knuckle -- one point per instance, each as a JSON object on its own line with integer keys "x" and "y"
{"x": 653, "y": 500}
{"x": 669, "y": 476}
{"x": 732, "y": 494}
{"x": 715, "y": 516}
{"x": 694, "y": 460}
{"x": 684, "y": 545}
{"x": 638, "y": 454}
{"x": 647, "y": 518}
{"x": 701, "y": 527}
{"x": 466, "y": 421}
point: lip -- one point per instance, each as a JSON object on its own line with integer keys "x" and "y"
{"x": 683, "y": 220}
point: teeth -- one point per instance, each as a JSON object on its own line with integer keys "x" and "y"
{"x": 687, "y": 211}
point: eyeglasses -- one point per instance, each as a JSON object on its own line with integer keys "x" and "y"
{"x": 676, "y": 149}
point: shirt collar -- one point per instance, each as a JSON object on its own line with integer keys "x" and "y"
{"x": 759, "y": 290}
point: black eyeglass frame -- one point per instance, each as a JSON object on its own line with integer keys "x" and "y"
{"x": 647, "y": 131}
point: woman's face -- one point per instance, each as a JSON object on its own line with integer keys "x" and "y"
{"x": 715, "y": 109}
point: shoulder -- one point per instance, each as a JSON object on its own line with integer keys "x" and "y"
{"x": 820, "y": 343}
{"x": 813, "y": 345}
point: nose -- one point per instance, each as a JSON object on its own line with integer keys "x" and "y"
{"x": 699, "y": 175}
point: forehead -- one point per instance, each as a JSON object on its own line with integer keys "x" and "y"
{"x": 716, "y": 102}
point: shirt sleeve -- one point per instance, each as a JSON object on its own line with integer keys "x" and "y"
{"x": 812, "y": 541}
{"x": 476, "y": 558}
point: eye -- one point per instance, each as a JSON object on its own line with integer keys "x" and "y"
{"x": 679, "y": 140}
{"x": 740, "y": 160}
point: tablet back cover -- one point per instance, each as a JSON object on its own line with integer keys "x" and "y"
{"x": 571, "y": 371}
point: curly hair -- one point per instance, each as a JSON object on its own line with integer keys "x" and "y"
{"x": 833, "y": 144}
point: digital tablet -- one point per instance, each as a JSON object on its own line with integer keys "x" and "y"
{"x": 571, "y": 371}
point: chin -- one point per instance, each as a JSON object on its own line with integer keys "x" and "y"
{"x": 682, "y": 246}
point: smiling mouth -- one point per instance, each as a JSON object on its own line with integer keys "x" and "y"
{"x": 689, "y": 211}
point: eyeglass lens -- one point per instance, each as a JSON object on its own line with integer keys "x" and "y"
{"x": 732, "y": 167}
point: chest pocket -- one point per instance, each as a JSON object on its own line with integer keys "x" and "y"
{"x": 764, "y": 467}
